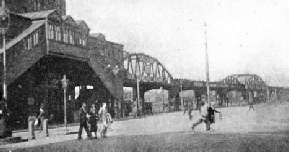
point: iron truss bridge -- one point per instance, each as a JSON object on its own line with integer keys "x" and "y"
{"x": 146, "y": 69}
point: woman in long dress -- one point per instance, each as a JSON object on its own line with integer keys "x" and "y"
{"x": 103, "y": 120}
{"x": 93, "y": 120}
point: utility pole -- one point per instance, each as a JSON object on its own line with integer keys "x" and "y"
{"x": 5, "y": 23}
{"x": 181, "y": 90}
{"x": 207, "y": 67}
{"x": 137, "y": 89}
{"x": 64, "y": 82}
{"x": 267, "y": 90}
{"x": 163, "y": 99}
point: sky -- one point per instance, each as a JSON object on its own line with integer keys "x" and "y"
{"x": 243, "y": 37}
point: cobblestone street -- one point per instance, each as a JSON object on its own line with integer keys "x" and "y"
{"x": 238, "y": 130}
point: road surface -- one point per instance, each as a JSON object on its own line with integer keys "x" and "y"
{"x": 264, "y": 129}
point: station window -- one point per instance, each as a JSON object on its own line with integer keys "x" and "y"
{"x": 29, "y": 43}
{"x": 80, "y": 40}
{"x": 25, "y": 44}
{"x": 35, "y": 38}
{"x": 58, "y": 34}
{"x": 65, "y": 35}
{"x": 84, "y": 41}
{"x": 71, "y": 39}
{"x": 51, "y": 32}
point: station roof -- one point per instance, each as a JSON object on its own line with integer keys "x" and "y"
{"x": 38, "y": 15}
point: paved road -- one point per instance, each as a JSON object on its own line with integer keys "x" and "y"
{"x": 264, "y": 129}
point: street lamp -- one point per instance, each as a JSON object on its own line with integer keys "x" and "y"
{"x": 4, "y": 25}
{"x": 64, "y": 82}
{"x": 115, "y": 71}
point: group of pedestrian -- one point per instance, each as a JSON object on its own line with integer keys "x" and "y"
{"x": 89, "y": 119}
{"x": 35, "y": 119}
{"x": 207, "y": 115}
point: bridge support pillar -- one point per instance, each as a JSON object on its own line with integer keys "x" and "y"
{"x": 174, "y": 97}
{"x": 135, "y": 102}
{"x": 138, "y": 104}
{"x": 142, "y": 99}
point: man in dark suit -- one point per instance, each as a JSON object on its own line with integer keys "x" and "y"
{"x": 83, "y": 116}
{"x": 32, "y": 116}
{"x": 41, "y": 116}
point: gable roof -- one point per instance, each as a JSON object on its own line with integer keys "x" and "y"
{"x": 19, "y": 15}
{"x": 64, "y": 17}
{"x": 31, "y": 29}
{"x": 38, "y": 15}
{"x": 82, "y": 24}
{"x": 98, "y": 36}
{"x": 68, "y": 19}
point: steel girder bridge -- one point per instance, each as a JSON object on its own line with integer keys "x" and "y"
{"x": 149, "y": 72}
{"x": 153, "y": 75}
{"x": 246, "y": 83}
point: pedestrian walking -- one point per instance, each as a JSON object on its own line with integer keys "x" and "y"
{"x": 83, "y": 116}
{"x": 41, "y": 116}
{"x": 103, "y": 120}
{"x": 190, "y": 112}
{"x": 185, "y": 108}
{"x": 32, "y": 118}
{"x": 251, "y": 101}
{"x": 203, "y": 116}
{"x": 109, "y": 121}
{"x": 135, "y": 111}
{"x": 211, "y": 116}
{"x": 93, "y": 120}
{"x": 251, "y": 105}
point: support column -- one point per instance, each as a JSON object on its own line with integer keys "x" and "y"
{"x": 70, "y": 102}
{"x": 134, "y": 96}
{"x": 46, "y": 95}
{"x": 142, "y": 100}
{"x": 174, "y": 95}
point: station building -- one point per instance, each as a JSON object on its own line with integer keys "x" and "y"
{"x": 43, "y": 44}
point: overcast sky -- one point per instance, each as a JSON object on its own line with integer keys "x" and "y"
{"x": 244, "y": 36}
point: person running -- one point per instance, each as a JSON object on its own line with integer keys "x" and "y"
{"x": 83, "y": 116}
{"x": 93, "y": 120}
{"x": 203, "y": 116}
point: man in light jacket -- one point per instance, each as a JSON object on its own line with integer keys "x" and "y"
{"x": 203, "y": 115}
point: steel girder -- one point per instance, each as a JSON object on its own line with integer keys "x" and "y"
{"x": 145, "y": 68}
{"x": 250, "y": 81}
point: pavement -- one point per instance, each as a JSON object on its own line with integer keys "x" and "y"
{"x": 266, "y": 119}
